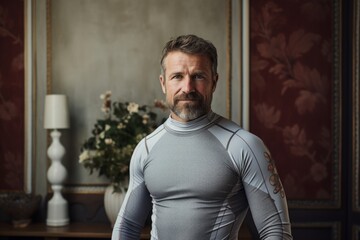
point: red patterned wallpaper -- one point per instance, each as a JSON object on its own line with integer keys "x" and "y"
{"x": 11, "y": 95}
{"x": 291, "y": 85}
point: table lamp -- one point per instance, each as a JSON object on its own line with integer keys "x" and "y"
{"x": 56, "y": 117}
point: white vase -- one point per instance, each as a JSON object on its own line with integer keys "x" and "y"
{"x": 112, "y": 203}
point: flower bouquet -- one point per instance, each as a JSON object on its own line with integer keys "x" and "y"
{"x": 115, "y": 137}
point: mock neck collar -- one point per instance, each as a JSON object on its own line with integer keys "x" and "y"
{"x": 191, "y": 126}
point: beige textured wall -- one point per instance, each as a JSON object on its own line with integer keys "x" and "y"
{"x": 39, "y": 167}
{"x": 116, "y": 45}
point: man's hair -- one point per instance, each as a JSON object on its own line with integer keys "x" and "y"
{"x": 190, "y": 44}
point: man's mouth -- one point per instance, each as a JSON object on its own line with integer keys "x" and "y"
{"x": 191, "y": 97}
{"x": 187, "y": 99}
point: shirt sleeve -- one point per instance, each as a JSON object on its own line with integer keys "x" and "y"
{"x": 263, "y": 188}
{"x": 137, "y": 203}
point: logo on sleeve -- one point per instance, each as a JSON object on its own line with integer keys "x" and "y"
{"x": 274, "y": 177}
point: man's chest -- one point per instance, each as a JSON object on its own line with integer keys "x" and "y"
{"x": 196, "y": 167}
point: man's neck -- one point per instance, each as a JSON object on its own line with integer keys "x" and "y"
{"x": 177, "y": 118}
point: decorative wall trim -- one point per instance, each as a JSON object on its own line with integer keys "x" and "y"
{"x": 229, "y": 59}
{"x": 91, "y": 189}
{"x": 333, "y": 229}
{"x": 48, "y": 76}
{"x": 30, "y": 95}
{"x": 48, "y": 49}
{"x": 244, "y": 76}
{"x": 356, "y": 232}
{"x": 356, "y": 108}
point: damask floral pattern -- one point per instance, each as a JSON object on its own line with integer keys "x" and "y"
{"x": 291, "y": 47}
{"x": 12, "y": 150}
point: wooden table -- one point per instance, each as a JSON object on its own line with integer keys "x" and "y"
{"x": 73, "y": 230}
{"x": 77, "y": 230}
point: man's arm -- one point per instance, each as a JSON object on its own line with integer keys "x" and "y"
{"x": 137, "y": 203}
{"x": 264, "y": 191}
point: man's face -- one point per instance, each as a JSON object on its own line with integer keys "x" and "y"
{"x": 188, "y": 83}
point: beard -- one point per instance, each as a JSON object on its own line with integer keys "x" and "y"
{"x": 196, "y": 107}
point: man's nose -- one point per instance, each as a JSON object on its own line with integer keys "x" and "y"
{"x": 188, "y": 85}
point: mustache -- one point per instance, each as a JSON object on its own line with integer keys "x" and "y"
{"x": 188, "y": 96}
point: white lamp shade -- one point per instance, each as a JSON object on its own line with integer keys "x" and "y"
{"x": 56, "y": 114}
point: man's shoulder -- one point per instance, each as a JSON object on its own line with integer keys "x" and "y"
{"x": 237, "y": 130}
{"x": 227, "y": 124}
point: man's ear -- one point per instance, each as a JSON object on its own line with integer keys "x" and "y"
{"x": 162, "y": 82}
{"x": 215, "y": 80}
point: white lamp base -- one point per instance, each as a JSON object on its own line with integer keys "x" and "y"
{"x": 57, "y": 212}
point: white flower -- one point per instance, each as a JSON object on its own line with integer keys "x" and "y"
{"x": 102, "y": 134}
{"x": 133, "y": 107}
{"x": 145, "y": 119}
{"x": 86, "y": 155}
{"x": 106, "y": 95}
{"x": 108, "y": 141}
{"x": 107, "y": 127}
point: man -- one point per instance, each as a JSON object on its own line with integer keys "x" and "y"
{"x": 199, "y": 173}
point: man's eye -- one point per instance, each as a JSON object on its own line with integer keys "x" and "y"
{"x": 198, "y": 77}
{"x": 177, "y": 76}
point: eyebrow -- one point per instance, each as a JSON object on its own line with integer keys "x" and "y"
{"x": 195, "y": 72}
{"x": 176, "y": 73}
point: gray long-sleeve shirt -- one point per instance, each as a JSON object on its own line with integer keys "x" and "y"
{"x": 199, "y": 179}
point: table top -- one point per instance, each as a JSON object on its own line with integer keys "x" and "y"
{"x": 74, "y": 230}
